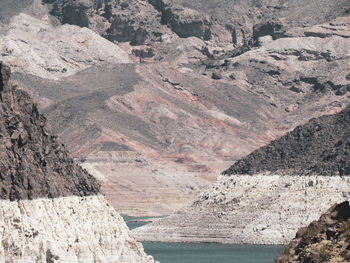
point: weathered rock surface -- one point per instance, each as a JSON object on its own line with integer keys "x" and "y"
{"x": 32, "y": 163}
{"x": 35, "y": 47}
{"x": 122, "y": 21}
{"x": 319, "y": 147}
{"x": 324, "y": 240}
{"x": 238, "y": 23}
{"x": 51, "y": 210}
{"x": 66, "y": 229}
{"x": 265, "y": 208}
{"x": 257, "y": 209}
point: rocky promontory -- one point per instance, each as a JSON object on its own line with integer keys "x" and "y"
{"x": 324, "y": 240}
{"x": 51, "y": 210}
{"x": 322, "y": 146}
{"x": 267, "y": 207}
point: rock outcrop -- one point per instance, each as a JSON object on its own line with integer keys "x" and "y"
{"x": 322, "y": 146}
{"x": 35, "y": 47}
{"x": 324, "y": 240}
{"x": 33, "y": 164}
{"x": 244, "y": 209}
{"x": 267, "y": 208}
{"x": 51, "y": 210}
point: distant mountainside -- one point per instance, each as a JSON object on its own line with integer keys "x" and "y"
{"x": 322, "y": 146}
{"x": 324, "y": 240}
{"x": 51, "y": 209}
{"x": 265, "y": 197}
{"x": 224, "y": 22}
{"x": 156, "y": 98}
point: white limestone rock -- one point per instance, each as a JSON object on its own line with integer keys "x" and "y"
{"x": 259, "y": 209}
{"x": 68, "y": 229}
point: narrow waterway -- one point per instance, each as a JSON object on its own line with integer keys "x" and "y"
{"x": 204, "y": 253}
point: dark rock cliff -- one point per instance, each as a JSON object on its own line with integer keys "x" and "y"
{"x": 321, "y": 146}
{"x": 33, "y": 164}
{"x": 325, "y": 240}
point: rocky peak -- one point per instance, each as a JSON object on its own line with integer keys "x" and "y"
{"x": 33, "y": 164}
{"x": 321, "y": 146}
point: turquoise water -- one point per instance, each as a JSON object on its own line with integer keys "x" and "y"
{"x": 133, "y": 222}
{"x": 205, "y": 252}
{"x": 211, "y": 253}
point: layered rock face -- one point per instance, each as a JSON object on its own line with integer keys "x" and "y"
{"x": 51, "y": 210}
{"x": 267, "y": 208}
{"x": 66, "y": 229}
{"x": 259, "y": 209}
{"x": 324, "y": 240}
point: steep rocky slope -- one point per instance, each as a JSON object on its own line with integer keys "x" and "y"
{"x": 232, "y": 25}
{"x": 51, "y": 210}
{"x": 208, "y": 84}
{"x": 324, "y": 240}
{"x": 319, "y": 147}
{"x": 267, "y": 208}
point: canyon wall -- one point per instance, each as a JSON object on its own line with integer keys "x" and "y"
{"x": 51, "y": 210}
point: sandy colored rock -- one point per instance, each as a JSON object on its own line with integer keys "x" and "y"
{"x": 35, "y": 47}
{"x": 163, "y": 118}
{"x": 259, "y": 209}
{"x": 51, "y": 210}
{"x": 67, "y": 229}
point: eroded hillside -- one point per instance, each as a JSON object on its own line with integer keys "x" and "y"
{"x": 179, "y": 92}
{"x": 51, "y": 210}
{"x": 268, "y": 205}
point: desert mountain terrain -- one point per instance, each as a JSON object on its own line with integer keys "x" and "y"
{"x": 266, "y": 196}
{"x": 51, "y": 210}
{"x": 156, "y": 98}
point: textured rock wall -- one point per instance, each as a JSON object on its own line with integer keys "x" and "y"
{"x": 259, "y": 209}
{"x": 67, "y": 229}
{"x": 51, "y": 210}
{"x": 324, "y": 240}
{"x": 321, "y": 146}
{"x": 34, "y": 46}
{"x": 33, "y": 163}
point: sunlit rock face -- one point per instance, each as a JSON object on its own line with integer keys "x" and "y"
{"x": 258, "y": 209}
{"x": 51, "y": 210}
{"x": 66, "y": 229}
{"x": 325, "y": 239}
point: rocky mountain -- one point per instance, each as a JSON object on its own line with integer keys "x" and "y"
{"x": 267, "y": 205}
{"x": 181, "y": 89}
{"x": 51, "y": 209}
{"x": 319, "y": 147}
{"x": 324, "y": 240}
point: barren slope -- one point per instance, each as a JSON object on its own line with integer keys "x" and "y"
{"x": 278, "y": 195}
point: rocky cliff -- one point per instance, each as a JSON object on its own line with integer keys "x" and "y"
{"x": 51, "y": 210}
{"x": 324, "y": 240}
{"x": 267, "y": 208}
